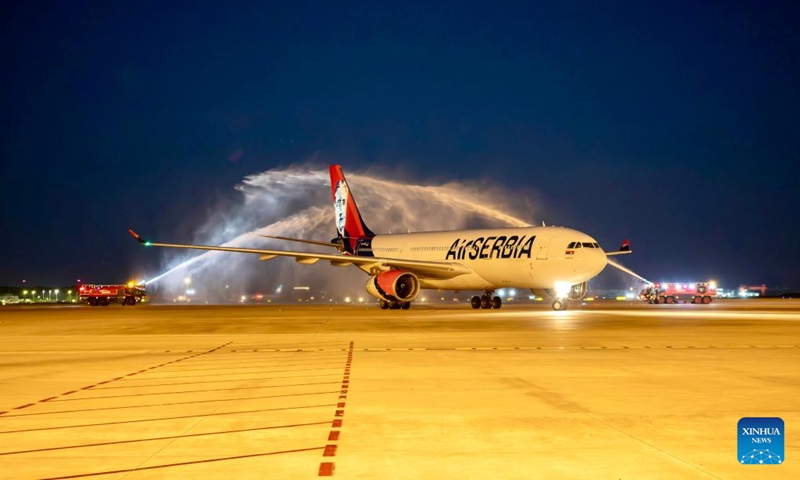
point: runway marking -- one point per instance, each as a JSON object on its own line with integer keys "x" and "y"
{"x": 89, "y": 387}
{"x": 461, "y": 349}
{"x": 233, "y": 373}
{"x": 170, "y": 437}
{"x": 154, "y": 385}
{"x": 180, "y": 464}
{"x": 327, "y": 469}
{"x": 568, "y": 347}
{"x": 123, "y": 422}
{"x": 82, "y": 410}
{"x": 183, "y": 392}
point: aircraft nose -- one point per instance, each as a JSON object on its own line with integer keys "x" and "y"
{"x": 600, "y": 259}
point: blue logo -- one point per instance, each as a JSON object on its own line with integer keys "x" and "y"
{"x": 761, "y": 441}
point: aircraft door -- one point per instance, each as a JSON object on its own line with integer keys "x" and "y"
{"x": 542, "y": 245}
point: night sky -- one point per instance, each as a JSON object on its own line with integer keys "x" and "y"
{"x": 675, "y": 125}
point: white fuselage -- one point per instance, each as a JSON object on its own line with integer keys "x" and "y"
{"x": 528, "y": 257}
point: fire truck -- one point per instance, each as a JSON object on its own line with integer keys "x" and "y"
{"x": 699, "y": 293}
{"x": 95, "y": 295}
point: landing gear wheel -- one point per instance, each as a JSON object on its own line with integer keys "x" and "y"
{"x": 497, "y": 302}
{"x": 486, "y": 302}
{"x": 384, "y": 304}
{"x": 559, "y": 305}
{"x": 406, "y": 305}
{"x": 475, "y": 302}
{"x": 394, "y": 306}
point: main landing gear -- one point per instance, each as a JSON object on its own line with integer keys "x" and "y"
{"x": 486, "y": 301}
{"x": 387, "y": 305}
{"x": 559, "y": 304}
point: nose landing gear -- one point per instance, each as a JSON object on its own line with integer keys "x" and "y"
{"x": 559, "y": 304}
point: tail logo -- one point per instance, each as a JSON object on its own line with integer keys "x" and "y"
{"x": 340, "y": 205}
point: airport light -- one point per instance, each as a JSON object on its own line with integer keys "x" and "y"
{"x": 56, "y": 295}
{"x": 187, "y": 281}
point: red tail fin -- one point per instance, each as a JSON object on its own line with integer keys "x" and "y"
{"x": 349, "y": 224}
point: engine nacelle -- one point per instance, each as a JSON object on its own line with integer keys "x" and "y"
{"x": 394, "y": 285}
{"x": 578, "y": 291}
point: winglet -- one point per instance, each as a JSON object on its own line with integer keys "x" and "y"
{"x": 138, "y": 238}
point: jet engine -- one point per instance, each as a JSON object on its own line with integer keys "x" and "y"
{"x": 394, "y": 286}
{"x": 578, "y": 291}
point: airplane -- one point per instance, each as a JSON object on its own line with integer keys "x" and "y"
{"x": 555, "y": 262}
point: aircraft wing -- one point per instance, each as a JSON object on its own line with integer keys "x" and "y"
{"x": 423, "y": 268}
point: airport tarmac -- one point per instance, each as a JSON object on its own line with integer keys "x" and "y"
{"x": 616, "y": 390}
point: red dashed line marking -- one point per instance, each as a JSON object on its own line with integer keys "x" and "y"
{"x": 326, "y": 469}
{"x": 89, "y": 387}
{"x": 330, "y": 451}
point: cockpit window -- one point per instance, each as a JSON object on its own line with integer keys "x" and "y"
{"x": 588, "y": 244}
{"x": 596, "y": 245}
{"x": 571, "y": 245}
{"x": 577, "y": 244}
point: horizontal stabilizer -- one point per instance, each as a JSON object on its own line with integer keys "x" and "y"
{"x": 623, "y": 249}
